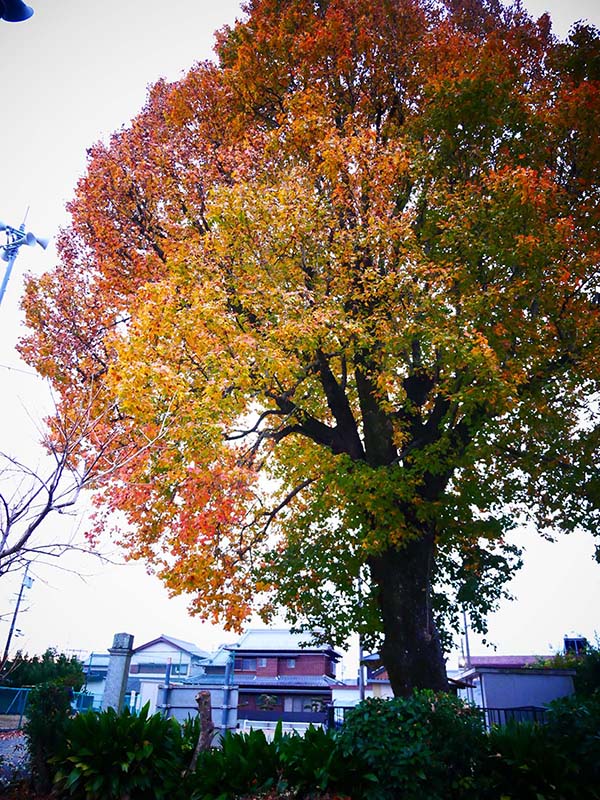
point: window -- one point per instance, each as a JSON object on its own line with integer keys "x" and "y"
{"x": 246, "y": 664}
{"x": 303, "y": 704}
{"x": 291, "y": 663}
{"x": 157, "y": 668}
{"x": 293, "y": 704}
{"x": 262, "y": 662}
{"x": 148, "y": 669}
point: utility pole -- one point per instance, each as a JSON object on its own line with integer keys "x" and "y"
{"x": 15, "y": 237}
{"x": 25, "y": 584}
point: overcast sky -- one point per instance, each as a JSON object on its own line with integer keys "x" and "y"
{"x": 73, "y": 73}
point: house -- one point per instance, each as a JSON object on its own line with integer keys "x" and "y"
{"x": 376, "y": 684}
{"x": 95, "y": 669}
{"x": 162, "y": 659}
{"x": 270, "y": 675}
{"x": 513, "y": 687}
{"x": 281, "y": 676}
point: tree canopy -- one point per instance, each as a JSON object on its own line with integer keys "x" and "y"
{"x": 352, "y": 269}
{"x": 50, "y": 667}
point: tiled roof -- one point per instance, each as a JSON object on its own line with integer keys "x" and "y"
{"x": 260, "y": 683}
{"x": 313, "y": 681}
{"x": 502, "y": 661}
{"x": 278, "y": 640}
{"x": 205, "y": 680}
{"x": 220, "y": 657}
{"x": 188, "y": 647}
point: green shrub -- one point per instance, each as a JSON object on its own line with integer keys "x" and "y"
{"x": 48, "y": 712}
{"x": 249, "y": 765}
{"x": 524, "y": 763}
{"x": 316, "y": 762}
{"x": 424, "y": 746}
{"x": 573, "y": 723}
{"x": 245, "y": 763}
{"x": 109, "y": 756}
{"x": 587, "y": 673}
{"x": 559, "y": 760}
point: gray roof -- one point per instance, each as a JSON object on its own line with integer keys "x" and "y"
{"x": 220, "y": 657}
{"x": 187, "y": 647}
{"x": 278, "y": 640}
{"x": 502, "y": 661}
{"x": 283, "y": 681}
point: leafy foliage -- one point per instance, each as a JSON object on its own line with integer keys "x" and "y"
{"x": 315, "y": 762}
{"x": 349, "y": 271}
{"x": 586, "y": 666}
{"x": 107, "y": 756}
{"x": 558, "y": 760}
{"x": 48, "y": 712}
{"x": 244, "y": 763}
{"x": 51, "y": 666}
{"x": 427, "y": 745}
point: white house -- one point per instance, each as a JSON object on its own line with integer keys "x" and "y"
{"x": 152, "y": 663}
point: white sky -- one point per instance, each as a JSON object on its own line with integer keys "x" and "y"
{"x": 73, "y": 73}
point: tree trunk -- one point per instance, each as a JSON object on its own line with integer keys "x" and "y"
{"x": 207, "y": 729}
{"x": 411, "y": 650}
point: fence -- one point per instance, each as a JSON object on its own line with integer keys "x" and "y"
{"x": 268, "y": 727}
{"x": 13, "y": 706}
{"x": 501, "y": 716}
{"x": 336, "y": 715}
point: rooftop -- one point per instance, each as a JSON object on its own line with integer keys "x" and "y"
{"x": 180, "y": 644}
{"x": 498, "y": 661}
{"x": 279, "y": 641}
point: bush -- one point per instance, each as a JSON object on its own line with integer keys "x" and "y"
{"x": 524, "y": 763}
{"x": 573, "y": 724}
{"x": 246, "y": 763}
{"x": 316, "y": 762}
{"x": 299, "y": 766}
{"x": 587, "y": 673}
{"x": 559, "y": 760}
{"x": 48, "y": 712}
{"x": 424, "y": 746}
{"x": 109, "y": 756}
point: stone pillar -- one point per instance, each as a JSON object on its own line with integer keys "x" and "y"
{"x": 118, "y": 671}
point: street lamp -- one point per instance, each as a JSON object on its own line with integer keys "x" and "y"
{"x": 15, "y": 237}
{"x": 14, "y": 11}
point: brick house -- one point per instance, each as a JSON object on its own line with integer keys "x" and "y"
{"x": 282, "y": 677}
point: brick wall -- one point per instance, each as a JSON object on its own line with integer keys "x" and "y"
{"x": 305, "y": 665}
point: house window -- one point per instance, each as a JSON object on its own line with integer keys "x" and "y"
{"x": 291, "y": 663}
{"x": 293, "y": 704}
{"x": 246, "y": 664}
{"x": 148, "y": 669}
{"x": 262, "y": 662}
{"x": 302, "y": 704}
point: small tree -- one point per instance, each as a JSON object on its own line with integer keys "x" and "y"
{"x": 48, "y": 710}
{"x": 50, "y": 667}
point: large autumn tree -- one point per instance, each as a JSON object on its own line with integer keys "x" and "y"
{"x": 353, "y": 267}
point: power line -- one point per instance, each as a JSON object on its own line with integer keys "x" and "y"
{"x": 18, "y": 369}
